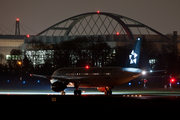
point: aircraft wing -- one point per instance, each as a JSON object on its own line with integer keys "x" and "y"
{"x": 63, "y": 79}
{"x": 42, "y": 76}
{"x": 158, "y": 71}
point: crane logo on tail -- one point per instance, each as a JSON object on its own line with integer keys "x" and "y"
{"x": 132, "y": 57}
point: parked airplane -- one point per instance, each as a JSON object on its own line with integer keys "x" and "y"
{"x": 103, "y": 78}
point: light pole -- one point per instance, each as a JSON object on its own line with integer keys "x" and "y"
{"x": 172, "y": 80}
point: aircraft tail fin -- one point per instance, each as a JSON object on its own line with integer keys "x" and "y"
{"x": 133, "y": 58}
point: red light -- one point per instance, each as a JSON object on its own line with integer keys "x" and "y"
{"x": 172, "y": 80}
{"x": 117, "y": 33}
{"x": 17, "y": 19}
{"x": 27, "y": 36}
{"x": 98, "y": 11}
{"x": 87, "y": 67}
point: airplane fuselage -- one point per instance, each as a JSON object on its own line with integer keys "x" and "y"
{"x": 95, "y": 77}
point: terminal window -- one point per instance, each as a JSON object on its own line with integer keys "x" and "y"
{"x": 13, "y": 57}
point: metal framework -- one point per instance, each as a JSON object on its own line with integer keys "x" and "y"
{"x": 99, "y": 23}
{"x": 17, "y": 29}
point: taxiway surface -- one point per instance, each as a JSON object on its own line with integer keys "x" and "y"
{"x": 134, "y": 98}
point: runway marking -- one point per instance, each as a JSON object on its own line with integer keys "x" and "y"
{"x": 53, "y": 99}
{"x": 132, "y": 95}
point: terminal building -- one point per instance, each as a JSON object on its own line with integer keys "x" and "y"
{"x": 116, "y": 30}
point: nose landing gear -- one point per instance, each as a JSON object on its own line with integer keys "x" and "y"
{"x": 77, "y": 91}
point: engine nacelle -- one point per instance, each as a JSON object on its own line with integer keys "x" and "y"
{"x": 58, "y": 86}
{"x": 101, "y": 89}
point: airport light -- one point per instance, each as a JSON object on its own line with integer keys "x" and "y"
{"x": 17, "y": 19}
{"x": 19, "y": 63}
{"x": 145, "y": 81}
{"x": 87, "y": 66}
{"x": 27, "y": 36}
{"x": 98, "y": 11}
{"x": 117, "y": 33}
{"x": 172, "y": 80}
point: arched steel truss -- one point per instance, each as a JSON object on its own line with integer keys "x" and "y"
{"x": 101, "y": 23}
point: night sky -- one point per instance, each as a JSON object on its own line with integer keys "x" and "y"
{"x": 162, "y": 15}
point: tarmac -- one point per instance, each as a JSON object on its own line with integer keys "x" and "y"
{"x": 133, "y": 98}
{"x": 35, "y": 94}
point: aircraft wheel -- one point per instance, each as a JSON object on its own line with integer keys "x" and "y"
{"x": 77, "y": 92}
{"x": 108, "y": 92}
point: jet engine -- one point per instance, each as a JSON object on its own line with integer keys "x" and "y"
{"x": 58, "y": 86}
{"x": 101, "y": 89}
{"x": 106, "y": 90}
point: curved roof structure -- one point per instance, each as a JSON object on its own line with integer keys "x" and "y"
{"x": 99, "y": 23}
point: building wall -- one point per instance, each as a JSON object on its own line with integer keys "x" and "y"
{"x": 6, "y": 45}
{"x": 10, "y": 42}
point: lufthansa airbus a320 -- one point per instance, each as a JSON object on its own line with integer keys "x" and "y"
{"x": 103, "y": 78}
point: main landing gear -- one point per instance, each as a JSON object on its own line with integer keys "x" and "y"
{"x": 76, "y": 92}
{"x": 108, "y": 91}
